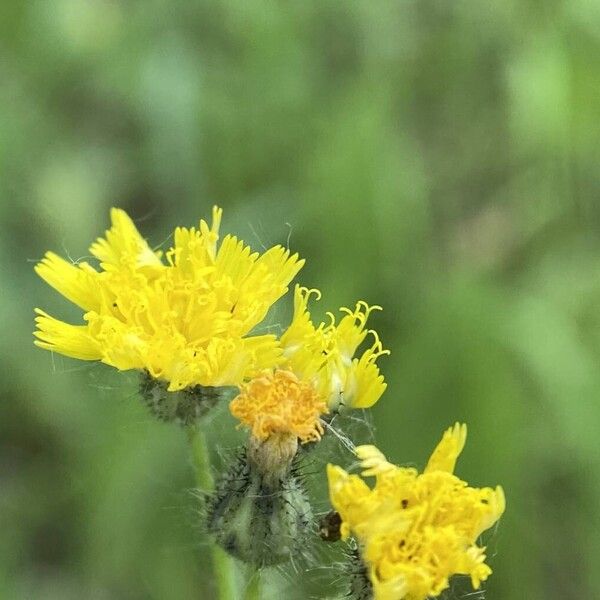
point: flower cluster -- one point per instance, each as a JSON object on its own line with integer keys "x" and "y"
{"x": 416, "y": 530}
{"x": 318, "y": 374}
{"x": 187, "y": 320}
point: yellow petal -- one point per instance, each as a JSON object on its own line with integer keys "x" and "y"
{"x": 448, "y": 450}
{"x": 372, "y": 461}
{"x": 70, "y": 340}
{"x": 364, "y": 384}
{"x": 123, "y": 244}
{"x": 79, "y": 284}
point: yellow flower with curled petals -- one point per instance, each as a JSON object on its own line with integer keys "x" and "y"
{"x": 318, "y": 372}
{"x": 416, "y": 530}
{"x": 325, "y": 354}
{"x": 185, "y": 318}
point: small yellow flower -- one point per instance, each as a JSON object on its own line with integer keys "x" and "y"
{"x": 325, "y": 354}
{"x": 278, "y": 402}
{"x": 318, "y": 373}
{"x": 185, "y": 319}
{"x": 416, "y": 530}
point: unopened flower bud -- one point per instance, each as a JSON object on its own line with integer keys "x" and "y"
{"x": 260, "y": 512}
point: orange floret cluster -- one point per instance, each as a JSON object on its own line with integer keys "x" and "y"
{"x": 279, "y": 402}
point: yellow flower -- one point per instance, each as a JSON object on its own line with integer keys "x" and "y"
{"x": 278, "y": 402}
{"x": 318, "y": 373}
{"x": 416, "y": 530}
{"x": 185, "y": 319}
{"x": 325, "y": 354}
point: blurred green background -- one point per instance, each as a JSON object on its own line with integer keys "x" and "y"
{"x": 440, "y": 158}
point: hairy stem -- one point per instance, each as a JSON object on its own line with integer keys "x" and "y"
{"x": 253, "y": 587}
{"x": 223, "y": 565}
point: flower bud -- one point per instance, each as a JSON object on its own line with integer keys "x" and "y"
{"x": 260, "y": 512}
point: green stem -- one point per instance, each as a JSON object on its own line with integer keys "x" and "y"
{"x": 253, "y": 587}
{"x": 223, "y": 566}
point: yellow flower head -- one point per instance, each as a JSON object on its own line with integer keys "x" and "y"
{"x": 278, "y": 402}
{"x": 416, "y": 530}
{"x": 318, "y": 372}
{"x": 185, "y": 319}
{"x": 325, "y": 355}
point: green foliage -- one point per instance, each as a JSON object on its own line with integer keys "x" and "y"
{"x": 438, "y": 158}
